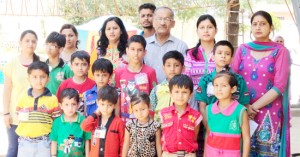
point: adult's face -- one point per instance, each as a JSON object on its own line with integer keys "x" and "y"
{"x": 163, "y": 22}
{"x": 112, "y": 31}
{"x": 146, "y": 18}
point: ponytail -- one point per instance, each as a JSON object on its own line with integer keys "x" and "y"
{"x": 195, "y": 51}
{"x": 35, "y": 57}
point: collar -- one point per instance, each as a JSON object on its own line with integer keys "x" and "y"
{"x": 213, "y": 73}
{"x": 152, "y": 39}
{"x": 187, "y": 109}
{"x": 45, "y": 93}
{"x": 228, "y": 111}
{"x": 62, "y": 118}
{"x": 60, "y": 64}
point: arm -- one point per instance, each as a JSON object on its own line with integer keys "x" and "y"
{"x": 6, "y": 100}
{"x": 266, "y": 99}
{"x": 87, "y": 148}
{"x": 53, "y": 148}
{"x": 246, "y": 135}
{"x": 202, "y": 107}
{"x": 153, "y": 101}
{"x": 90, "y": 123}
{"x": 126, "y": 143}
{"x": 158, "y": 143}
{"x": 122, "y": 136}
{"x": 205, "y": 140}
{"x": 197, "y": 128}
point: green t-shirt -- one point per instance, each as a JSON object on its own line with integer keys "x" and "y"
{"x": 58, "y": 74}
{"x": 70, "y": 137}
{"x": 204, "y": 92}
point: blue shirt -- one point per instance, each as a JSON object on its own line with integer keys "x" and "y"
{"x": 90, "y": 97}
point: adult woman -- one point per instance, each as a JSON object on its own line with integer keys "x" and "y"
{"x": 198, "y": 61}
{"x": 15, "y": 84}
{"x": 265, "y": 67}
{"x": 112, "y": 43}
{"x": 71, "y": 41}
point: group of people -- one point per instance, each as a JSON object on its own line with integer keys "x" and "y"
{"x": 149, "y": 95}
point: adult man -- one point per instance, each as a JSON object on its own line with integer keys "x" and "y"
{"x": 162, "y": 41}
{"x": 146, "y": 11}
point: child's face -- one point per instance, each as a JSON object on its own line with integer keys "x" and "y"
{"x": 101, "y": 78}
{"x": 135, "y": 53}
{"x": 222, "y": 56}
{"x": 38, "y": 79}
{"x": 180, "y": 96}
{"x": 69, "y": 106}
{"x": 172, "y": 67}
{"x": 141, "y": 111}
{"x": 105, "y": 107}
{"x": 52, "y": 50}
{"x": 79, "y": 67}
{"x": 222, "y": 88}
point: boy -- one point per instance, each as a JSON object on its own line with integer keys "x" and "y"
{"x": 222, "y": 55}
{"x": 173, "y": 64}
{"x": 102, "y": 70}
{"x": 135, "y": 77}
{"x": 180, "y": 123}
{"x": 107, "y": 129}
{"x": 80, "y": 61}
{"x": 59, "y": 71}
{"x": 35, "y": 110}
{"x": 68, "y": 139}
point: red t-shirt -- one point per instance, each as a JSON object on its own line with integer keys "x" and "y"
{"x": 81, "y": 88}
{"x": 179, "y": 132}
{"x": 131, "y": 83}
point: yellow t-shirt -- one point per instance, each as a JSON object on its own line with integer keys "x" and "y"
{"x": 18, "y": 74}
{"x": 38, "y": 122}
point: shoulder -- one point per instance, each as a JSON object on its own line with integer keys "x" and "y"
{"x": 120, "y": 70}
{"x": 156, "y": 124}
{"x": 177, "y": 41}
{"x": 147, "y": 68}
{"x": 194, "y": 112}
{"x": 167, "y": 110}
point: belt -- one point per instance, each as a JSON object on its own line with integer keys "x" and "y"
{"x": 35, "y": 139}
{"x": 182, "y": 153}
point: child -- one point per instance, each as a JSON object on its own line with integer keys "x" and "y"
{"x": 107, "y": 129}
{"x": 59, "y": 71}
{"x": 142, "y": 135}
{"x": 180, "y": 123}
{"x": 173, "y": 64}
{"x": 68, "y": 139}
{"x": 102, "y": 70}
{"x": 35, "y": 110}
{"x": 227, "y": 119}
{"x": 80, "y": 61}
{"x": 135, "y": 77}
{"x": 222, "y": 55}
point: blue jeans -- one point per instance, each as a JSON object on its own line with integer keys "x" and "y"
{"x": 12, "y": 142}
{"x": 39, "y": 148}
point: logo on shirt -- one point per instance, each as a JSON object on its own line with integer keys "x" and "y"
{"x": 167, "y": 116}
{"x": 60, "y": 76}
{"x": 192, "y": 118}
{"x": 233, "y": 125}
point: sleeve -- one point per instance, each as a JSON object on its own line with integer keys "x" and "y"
{"x": 201, "y": 90}
{"x": 153, "y": 98}
{"x": 282, "y": 70}
{"x": 55, "y": 108}
{"x": 199, "y": 119}
{"x": 117, "y": 78}
{"x": 153, "y": 80}
{"x": 183, "y": 49}
{"x": 188, "y": 64}
{"x": 90, "y": 123}
{"x": 86, "y": 134}
{"x": 54, "y": 134}
{"x": 68, "y": 72}
{"x": 60, "y": 88}
{"x": 129, "y": 125}
{"x": 237, "y": 59}
{"x": 244, "y": 97}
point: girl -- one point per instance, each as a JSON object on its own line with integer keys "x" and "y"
{"x": 142, "y": 135}
{"x": 227, "y": 121}
{"x": 16, "y": 82}
{"x": 112, "y": 44}
{"x": 265, "y": 67}
{"x": 71, "y": 41}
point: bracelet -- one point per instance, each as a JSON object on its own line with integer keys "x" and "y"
{"x": 5, "y": 114}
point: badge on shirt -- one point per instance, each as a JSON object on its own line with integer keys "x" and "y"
{"x": 210, "y": 89}
{"x": 100, "y": 132}
{"x": 141, "y": 78}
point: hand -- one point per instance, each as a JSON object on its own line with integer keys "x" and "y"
{"x": 7, "y": 121}
{"x": 251, "y": 111}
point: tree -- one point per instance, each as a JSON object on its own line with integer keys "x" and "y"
{"x": 233, "y": 11}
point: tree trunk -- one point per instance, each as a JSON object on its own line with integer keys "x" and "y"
{"x": 233, "y": 8}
